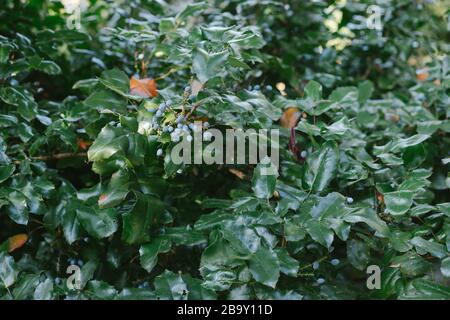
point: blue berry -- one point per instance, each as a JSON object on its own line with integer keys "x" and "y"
{"x": 80, "y": 263}
{"x": 152, "y": 110}
{"x": 159, "y": 153}
{"x": 158, "y": 114}
{"x": 269, "y": 88}
{"x": 335, "y": 262}
{"x": 303, "y": 154}
{"x": 180, "y": 125}
{"x": 320, "y": 281}
{"x": 207, "y": 136}
{"x": 175, "y": 137}
{"x": 206, "y": 124}
{"x": 187, "y": 89}
{"x": 180, "y": 118}
{"x": 192, "y": 98}
{"x": 349, "y": 200}
{"x": 58, "y": 280}
{"x": 169, "y": 128}
{"x": 316, "y": 265}
{"x": 185, "y": 128}
{"x": 189, "y": 138}
{"x": 168, "y": 103}
{"x": 179, "y": 171}
{"x": 257, "y": 87}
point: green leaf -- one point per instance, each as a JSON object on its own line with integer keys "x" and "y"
{"x": 313, "y": 90}
{"x": 288, "y": 265}
{"x": 70, "y": 224}
{"x": 49, "y": 67}
{"x": 435, "y": 249}
{"x": 136, "y": 223}
{"x": 24, "y": 288}
{"x": 170, "y": 286}
{"x": 106, "y": 100}
{"x": 421, "y": 289}
{"x": 6, "y": 172}
{"x": 398, "y": 202}
{"x": 369, "y": 217}
{"x": 264, "y": 267}
{"x": 264, "y": 181}
{"x": 320, "y": 232}
{"x": 445, "y": 267}
{"x": 365, "y": 91}
{"x": 321, "y": 167}
{"x": 101, "y": 290}
{"x": 44, "y": 291}
{"x": 8, "y": 270}
{"x": 117, "y": 190}
{"x": 207, "y": 65}
{"x": 191, "y": 9}
{"x": 149, "y": 252}
{"x": 358, "y": 254}
{"x": 115, "y": 80}
{"x": 109, "y": 141}
{"x": 98, "y": 223}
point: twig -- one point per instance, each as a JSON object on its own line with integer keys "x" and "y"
{"x": 168, "y": 73}
{"x": 57, "y": 156}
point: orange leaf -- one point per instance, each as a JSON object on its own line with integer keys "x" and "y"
{"x": 290, "y": 117}
{"x": 237, "y": 173}
{"x": 83, "y": 144}
{"x": 143, "y": 87}
{"x": 102, "y": 198}
{"x": 17, "y": 241}
{"x": 422, "y": 76}
{"x": 380, "y": 197}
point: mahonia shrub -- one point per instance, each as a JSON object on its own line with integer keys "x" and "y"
{"x": 90, "y": 112}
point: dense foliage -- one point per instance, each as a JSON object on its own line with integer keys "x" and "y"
{"x": 86, "y": 178}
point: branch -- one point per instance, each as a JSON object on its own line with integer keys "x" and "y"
{"x": 57, "y": 156}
